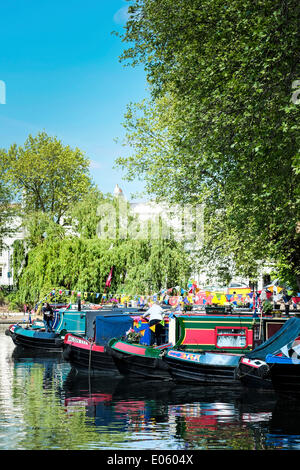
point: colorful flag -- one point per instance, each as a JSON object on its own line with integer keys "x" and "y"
{"x": 108, "y": 281}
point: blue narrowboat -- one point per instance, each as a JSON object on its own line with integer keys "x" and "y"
{"x": 36, "y": 337}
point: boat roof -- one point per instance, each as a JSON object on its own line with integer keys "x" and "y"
{"x": 285, "y": 335}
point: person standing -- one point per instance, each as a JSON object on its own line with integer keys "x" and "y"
{"x": 48, "y": 316}
{"x": 155, "y": 314}
{"x": 287, "y": 302}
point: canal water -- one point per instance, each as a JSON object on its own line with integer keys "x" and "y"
{"x": 46, "y": 404}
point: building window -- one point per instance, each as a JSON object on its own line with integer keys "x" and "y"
{"x": 228, "y": 337}
{"x": 1, "y": 271}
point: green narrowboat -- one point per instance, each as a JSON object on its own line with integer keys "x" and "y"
{"x": 201, "y": 348}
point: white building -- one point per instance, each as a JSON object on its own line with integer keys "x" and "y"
{"x": 6, "y": 251}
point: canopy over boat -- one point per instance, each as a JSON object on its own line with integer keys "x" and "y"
{"x": 111, "y": 326}
{"x": 281, "y": 339}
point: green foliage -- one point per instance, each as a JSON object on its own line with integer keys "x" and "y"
{"x": 221, "y": 127}
{"x": 40, "y": 226}
{"x": 47, "y": 175}
{"x": 83, "y": 265}
{"x": 2, "y": 298}
{"x": 18, "y": 259}
{"x": 61, "y": 212}
{"x": 83, "y": 215}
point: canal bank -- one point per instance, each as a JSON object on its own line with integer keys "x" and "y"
{"x": 13, "y": 317}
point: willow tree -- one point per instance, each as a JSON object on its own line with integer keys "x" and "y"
{"x": 223, "y": 123}
{"x": 80, "y": 264}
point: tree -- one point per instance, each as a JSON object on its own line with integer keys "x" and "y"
{"x": 80, "y": 259}
{"x": 81, "y": 264}
{"x": 221, "y": 76}
{"x": 47, "y": 176}
{"x": 83, "y": 216}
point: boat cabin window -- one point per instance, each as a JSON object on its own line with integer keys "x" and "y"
{"x": 228, "y": 337}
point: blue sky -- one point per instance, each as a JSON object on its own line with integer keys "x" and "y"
{"x": 60, "y": 64}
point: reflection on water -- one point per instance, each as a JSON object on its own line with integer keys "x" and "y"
{"x": 46, "y": 404}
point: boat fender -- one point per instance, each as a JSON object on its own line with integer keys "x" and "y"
{"x": 259, "y": 368}
{"x": 163, "y": 353}
{"x": 263, "y": 371}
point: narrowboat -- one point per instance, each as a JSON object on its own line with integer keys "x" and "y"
{"x": 203, "y": 368}
{"x": 208, "y": 347}
{"x": 35, "y": 337}
{"x": 89, "y": 352}
{"x": 199, "y": 348}
{"x": 276, "y": 362}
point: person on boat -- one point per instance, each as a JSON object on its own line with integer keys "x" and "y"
{"x": 155, "y": 314}
{"x": 48, "y": 316}
{"x": 287, "y": 302}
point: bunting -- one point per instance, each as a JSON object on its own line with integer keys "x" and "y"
{"x": 174, "y": 296}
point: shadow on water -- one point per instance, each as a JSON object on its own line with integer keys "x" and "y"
{"x": 21, "y": 354}
{"x": 170, "y": 392}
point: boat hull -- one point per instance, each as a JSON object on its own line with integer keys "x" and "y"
{"x": 285, "y": 374}
{"x": 139, "y": 361}
{"x": 37, "y": 340}
{"x": 202, "y": 368}
{"x": 275, "y": 362}
{"x": 86, "y": 355}
{"x": 286, "y": 378}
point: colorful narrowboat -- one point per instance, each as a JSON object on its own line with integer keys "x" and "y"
{"x": 204, "y": 368}
{"x": 134, "y": 356}
{"x": 89, "y": 352}
{"x": 199, "y": 348}
{"x": 208, "y": 348}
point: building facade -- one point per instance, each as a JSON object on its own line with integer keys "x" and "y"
{"x": 6, "y": 251}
